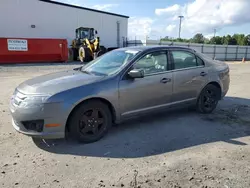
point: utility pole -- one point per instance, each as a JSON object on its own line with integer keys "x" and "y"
{"x": 181, "y": 17}
{"x": 214, "y": 32}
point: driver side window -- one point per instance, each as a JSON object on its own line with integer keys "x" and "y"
{"x": 155, "y": 62}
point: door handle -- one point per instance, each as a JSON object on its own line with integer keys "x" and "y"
{"x": 165, "y": 80}
{"x": 203, "y": 74}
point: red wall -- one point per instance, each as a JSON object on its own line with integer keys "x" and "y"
{"x": 39, "y": 50}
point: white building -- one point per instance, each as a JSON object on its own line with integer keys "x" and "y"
{"x": 50, "y": 19}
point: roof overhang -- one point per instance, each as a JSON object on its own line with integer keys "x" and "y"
{"x": 84, "y": 8}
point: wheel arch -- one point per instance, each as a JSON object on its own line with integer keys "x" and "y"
{"x": 215, "y": 83}
{"x": 103, "y": 100}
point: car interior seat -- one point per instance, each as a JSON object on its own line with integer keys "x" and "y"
{"x": 189, "y": 62}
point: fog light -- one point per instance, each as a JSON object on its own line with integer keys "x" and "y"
{"x": 34, "y": 125}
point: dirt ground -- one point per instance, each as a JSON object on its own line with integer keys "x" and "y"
{"x": 178, "y": 149}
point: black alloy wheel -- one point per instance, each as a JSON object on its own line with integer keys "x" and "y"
{"x": 208, "y": 99}
{"x": 90, "y": 121}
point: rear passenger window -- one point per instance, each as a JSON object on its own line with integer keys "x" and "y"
{"x": 184, "y": 59}
{"x": 199, "y": 61}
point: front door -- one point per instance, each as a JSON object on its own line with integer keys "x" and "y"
{"x": 154, "y": 91}
{"x": 189, "y": 75}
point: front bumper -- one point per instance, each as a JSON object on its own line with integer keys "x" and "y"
{"x": 49, "y": 113}
{"x": 43, "y": 135}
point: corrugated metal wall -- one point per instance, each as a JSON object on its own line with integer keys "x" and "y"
{"x": 36, "y": 19}
{"x": 220, "y": 52}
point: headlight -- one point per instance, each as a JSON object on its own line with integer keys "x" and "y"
{"x": 33, "y": 101}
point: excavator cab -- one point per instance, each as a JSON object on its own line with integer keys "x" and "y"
{"x": 85, "y": 33}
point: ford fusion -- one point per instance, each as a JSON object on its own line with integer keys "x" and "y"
{"x": 118, "y": 85}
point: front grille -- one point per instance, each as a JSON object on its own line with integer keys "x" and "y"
{"x": 34, "y": 125}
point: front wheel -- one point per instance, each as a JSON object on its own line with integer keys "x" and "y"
{"x": 208, "y": 99}
{"x": 90, "y": 121}
{"x": 81, "y": 54}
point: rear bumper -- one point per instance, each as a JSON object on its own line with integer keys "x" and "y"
{"x": 225, "y": 86}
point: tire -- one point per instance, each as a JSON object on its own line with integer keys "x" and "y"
{"x": 101, "y": 51}
{"x": 87, "y": 126}
{"x": 102, "y": 48}
{"x": 112, "y": 48}
{"x": 88, "y": 55}
{"x": 208, "y": 99}
{"x": 75, "y": 54}
{"x": 82, "y": 54}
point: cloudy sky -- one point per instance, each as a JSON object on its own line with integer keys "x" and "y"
{"x": 159, "y": 18}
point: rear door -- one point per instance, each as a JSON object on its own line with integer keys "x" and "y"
{"x": 189, "y": 75}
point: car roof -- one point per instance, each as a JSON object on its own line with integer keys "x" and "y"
{"x": 159, "y": 47}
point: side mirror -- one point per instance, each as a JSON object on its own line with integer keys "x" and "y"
{"x": 96, "y": 32}
{"x": 136, "y": 73}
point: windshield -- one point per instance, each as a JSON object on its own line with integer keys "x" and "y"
{"x": 83, "y": 33}
{"x": 110, "y": 63}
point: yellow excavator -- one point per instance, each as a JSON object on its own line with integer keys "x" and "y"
{"x": 86, "y": 46}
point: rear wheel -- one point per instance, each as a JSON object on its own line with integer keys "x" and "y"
{"x": 74, "y": 54}
{"x": 208, "y": 99}
{"x": 90, "y": 122}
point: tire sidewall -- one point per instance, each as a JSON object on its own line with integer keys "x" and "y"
{"x": 74, "y": 54}
{"x": 82, "y": 51}
{"x": 77, "y": 114}
{"x": 200, "y": 106}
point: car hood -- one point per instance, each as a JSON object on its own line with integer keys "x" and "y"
{"x": 56, "y": 82}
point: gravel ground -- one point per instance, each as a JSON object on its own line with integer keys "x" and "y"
{"x": 180, "y": 149}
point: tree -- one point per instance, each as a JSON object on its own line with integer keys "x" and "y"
{"x": 236, "y": 39}
{"x": 247, "y": 38}
{"x": 229, "y": 40}
{"x": 233, "y": 41}
{"x": 206, "y": 41}
{"x": 198, "y": 38}
{"x": 216, "y": 40}
{"x": 241, "y": 39}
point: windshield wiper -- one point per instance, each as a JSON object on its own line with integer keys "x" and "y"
{"x": 77, "y": 68}
{"x": 84, "y": 71}
{"x": 98, "y": 73}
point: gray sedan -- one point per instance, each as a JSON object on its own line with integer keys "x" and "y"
{"x": 121, "y": 84}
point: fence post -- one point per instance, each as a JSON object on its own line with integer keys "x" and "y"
{"x": 123, "y": 41}
{"x": 226, "y": 52}
{"x": 214, "y": 51}
{"x": 236, "y": 56}
{"x": 246, "y": 52}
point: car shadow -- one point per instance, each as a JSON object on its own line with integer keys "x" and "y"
{"x": 164, "y": 132}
